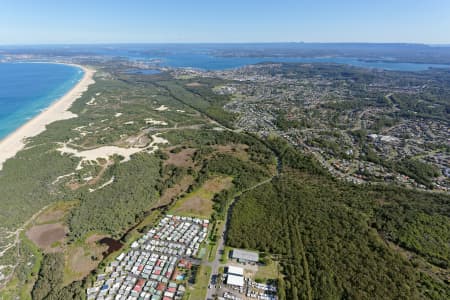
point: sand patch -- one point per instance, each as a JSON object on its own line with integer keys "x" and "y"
{"x": 194, "y": 84}
{"x": 154, "y": 122}
{"x": 62, "y": 177}
{"x": 139, "y": 141}
{"x": 162, "y": 108}
{"x": 103, "y": 185}
{"x": 108, "y": 151}
{"x": 91, "y": 102}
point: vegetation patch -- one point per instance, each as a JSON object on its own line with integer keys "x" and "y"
{"x": 173, "y": 192}
{"x": 199, "y": 202}
{"x": 237, "y": 150}
{"x": 80, "y": 260}
{"x": 199, "y": 289}
{"x": 267, "y": 271}
{"x": 180, "y": 157}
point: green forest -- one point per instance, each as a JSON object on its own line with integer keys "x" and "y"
{"x": 328, "y": 235}
{"x": 49, "y": 284}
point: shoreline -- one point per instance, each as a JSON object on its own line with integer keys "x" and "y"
{"x": 58, "y": 110}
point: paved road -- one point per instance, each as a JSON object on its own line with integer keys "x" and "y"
{"x": 215, "y": 265}
{"x": 221, "y": 246}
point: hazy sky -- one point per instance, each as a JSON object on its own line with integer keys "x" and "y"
{"x": 107, "y": 21}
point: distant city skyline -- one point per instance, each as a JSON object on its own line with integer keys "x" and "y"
{"x": 232, "y": 21}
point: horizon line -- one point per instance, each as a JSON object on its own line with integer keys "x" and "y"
{"x": 218, "y": 43}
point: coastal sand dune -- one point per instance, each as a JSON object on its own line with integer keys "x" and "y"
{"x": 107, "y": 151}
{"x": 15, "y": 142}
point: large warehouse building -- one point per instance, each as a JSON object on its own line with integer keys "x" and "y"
{"x": 235, "y": 276}
{"x": 245, "y": 256}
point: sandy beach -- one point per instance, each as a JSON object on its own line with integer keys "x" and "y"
{"x": 58, "y": 110}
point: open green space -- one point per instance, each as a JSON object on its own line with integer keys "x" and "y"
{"x": 199, "y": 203}
{"x": 199, "y": 289}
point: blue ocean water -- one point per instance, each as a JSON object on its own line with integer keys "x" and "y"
{"x": 28, "y": 88}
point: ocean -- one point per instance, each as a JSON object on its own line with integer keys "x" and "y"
{"x": 28, "y": 88}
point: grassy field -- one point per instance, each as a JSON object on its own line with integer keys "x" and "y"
{"x": 225, "y": 255}
{"x": 198, "y": 291}
{"x": 212, "y": 248}
{"x": 268, "y": 271}
{"x": 199, "y": 202}
{"x": 79, "y": 259}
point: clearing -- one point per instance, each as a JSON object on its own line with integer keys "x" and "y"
{"x": 183, "y": 158}
{"x": 267, "y": 271}
{"x": 80, "y": 260}
{"x": 201, "y": 284}
{"x": 199, "y": 202}
{"x": 237, "y": 150}
{"x": 172, "y": 192}
{"x": 47, "y": 235}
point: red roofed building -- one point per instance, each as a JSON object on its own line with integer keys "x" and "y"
{"x": 161, "y": 287}
{"x": 140, "y": 282}
{"x": 137, "y": 288}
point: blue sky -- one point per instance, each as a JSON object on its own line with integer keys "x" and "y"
{"x": 108, "y": 21}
